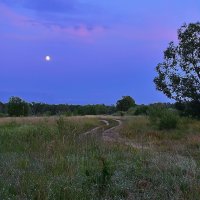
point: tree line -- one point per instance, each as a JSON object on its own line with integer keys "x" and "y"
{"x": 125, "y": 106}
{"x": 18, "y": 107}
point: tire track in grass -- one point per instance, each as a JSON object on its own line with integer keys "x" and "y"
{"x": 112, "y": 135}
{"x": 95, "y": 130}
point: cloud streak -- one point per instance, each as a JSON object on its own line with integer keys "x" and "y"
{"x": 59, "y": 12}
{"x": 28, "y": 28}
{"x": 84, "y": 19}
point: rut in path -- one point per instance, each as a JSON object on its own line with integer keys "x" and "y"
{"x": 112, "y": 135}
{"x": 95, "y": 131}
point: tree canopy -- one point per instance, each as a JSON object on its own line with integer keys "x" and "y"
{"x": 125, "y": 103}
{"x": 179, "y": 74}
{"x": 17, "y": 107}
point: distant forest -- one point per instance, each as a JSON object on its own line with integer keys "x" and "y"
{"x": 22, "y": 108}
{"x": 125, "y": 106}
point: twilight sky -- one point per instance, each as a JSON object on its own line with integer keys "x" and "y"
{"x": 100, "y": 50}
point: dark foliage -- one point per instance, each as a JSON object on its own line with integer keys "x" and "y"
{"x": 17, "y": 107}
{"x": 3, "y": 108}
{"x": 162, "y": 117}
{"x": 179, "y": 74}
{"x": 141, "y": 110}
{"x": 125, "y": 103}
{"x": 99, "y": 109}
{"x": 188, "y": 108}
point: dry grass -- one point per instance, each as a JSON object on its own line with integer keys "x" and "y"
{"x": 52, "y": 119}
{"x": 183, "y": 140}
{"x": 43, "y": 158}
{"x": 36, "y": 120}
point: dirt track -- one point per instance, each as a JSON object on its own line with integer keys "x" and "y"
{"x": 112, "y": 135}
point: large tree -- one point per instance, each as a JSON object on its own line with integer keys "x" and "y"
{"x": 17, "y": 107}
{"x": 179, "y": 74}
{"x": 125, "y": 103}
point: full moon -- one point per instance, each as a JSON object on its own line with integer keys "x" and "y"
{"x": 47, "y": 58}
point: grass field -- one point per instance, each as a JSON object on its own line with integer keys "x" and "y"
{"x": 45, "y": 158}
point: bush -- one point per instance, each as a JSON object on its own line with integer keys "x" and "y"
{"x": 168, "y": 120}
{"x": 155, "y": 112}
{"x": 188, "y": 108}
{"x": 119, "y": 113}
{"x": 131, "y": 111}
{"x": 163, "y": 118}
{"x": 141, "y": 110}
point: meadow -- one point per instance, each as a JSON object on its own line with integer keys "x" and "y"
{"x": 51, "y": 158}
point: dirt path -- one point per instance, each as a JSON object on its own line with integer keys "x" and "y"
{"x": 112, "y": 135}
{"x": 96, "y": 130}
{"x": 105, "y": 121}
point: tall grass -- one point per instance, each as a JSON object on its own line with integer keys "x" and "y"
{"x": 48, "y": 160}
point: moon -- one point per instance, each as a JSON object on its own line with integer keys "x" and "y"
{"x": 47, "y": 58}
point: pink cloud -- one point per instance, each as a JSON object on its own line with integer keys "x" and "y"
{"x": 28, "y": 29}
{"x": 12, "y": 17}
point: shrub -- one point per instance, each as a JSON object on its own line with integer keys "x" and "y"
{"x": 168, "y": 120}
{"x": 163, "y": 118}
{"x": 141, "y": 110}
{"x": 119, "y": 113}
{"x": 131, "y": 111}
{"x": 155, "y": 112}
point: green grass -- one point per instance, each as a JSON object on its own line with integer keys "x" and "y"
{"x": 47, "y": 160}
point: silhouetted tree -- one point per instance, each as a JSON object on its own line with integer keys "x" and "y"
{"x": 179, "y": 74}
{"x": 125, "y": 103}
{"x": 17, "y": 107}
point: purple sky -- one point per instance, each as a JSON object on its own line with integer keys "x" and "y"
{"x": 100, "y": 50}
